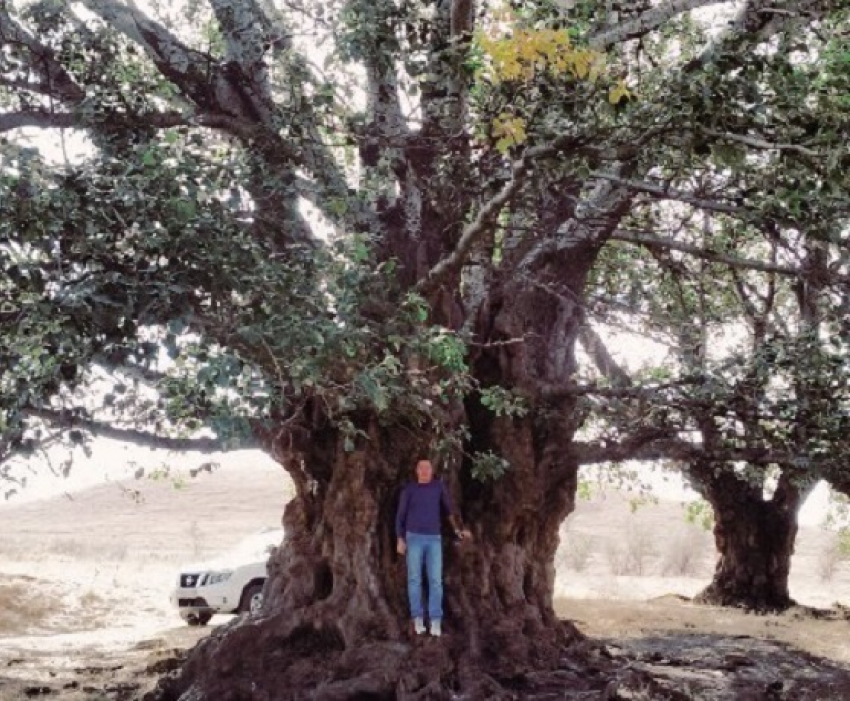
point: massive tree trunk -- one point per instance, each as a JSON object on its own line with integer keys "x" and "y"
{"x": 755, "y": 536}
{"x": 335, "y": 622}
{"x": 755, "y": 541}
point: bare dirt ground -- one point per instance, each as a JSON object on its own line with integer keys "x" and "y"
{"x": 85, "y": 580}
{"x": 84, "y": 586}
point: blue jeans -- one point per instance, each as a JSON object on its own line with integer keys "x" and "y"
{"x": 427, "y": 548}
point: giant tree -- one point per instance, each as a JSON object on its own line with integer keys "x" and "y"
{"x": 752, "y": 392}
{"x": 362, "y": 232}
{"x": 746, "y": 300}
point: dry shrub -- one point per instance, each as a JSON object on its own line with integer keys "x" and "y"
{"x": 90, "y": 599}
{"x": 684, "y": 555}
{"x": 631, "y": 556}
{"x": 80, "y": 549}
{"x": 23, "y": 606}
{"x": 828, "y": 559}
{"x": 575, "y": 551}
{"x": 615, "y": 555}
{"x": 836, "y": 551}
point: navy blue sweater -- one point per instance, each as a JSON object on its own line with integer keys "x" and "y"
{"x": 419, "y": 508}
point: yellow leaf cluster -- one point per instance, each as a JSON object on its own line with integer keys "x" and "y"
{"x": 520, "y": 55}
{"x": 618, "y": 92}
{"x": 509, "y": 131}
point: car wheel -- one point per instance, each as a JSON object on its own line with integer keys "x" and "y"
{"x": 204, "y": 618}
{"x": 198, "y": 619}
{"x": 252, "y": 599}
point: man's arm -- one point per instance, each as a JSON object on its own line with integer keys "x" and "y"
{"x": 454, "y": 519}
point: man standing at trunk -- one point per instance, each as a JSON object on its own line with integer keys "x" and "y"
{"x": 417, "y": 527}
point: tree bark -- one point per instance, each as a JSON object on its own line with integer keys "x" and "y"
{"x": 335, "y": 622}
{"x": 755, "y": 541}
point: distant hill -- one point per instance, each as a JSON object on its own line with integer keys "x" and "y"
{"x": 172, "y": 515}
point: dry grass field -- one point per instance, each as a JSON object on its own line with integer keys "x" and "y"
{"x": 84, "y": 579}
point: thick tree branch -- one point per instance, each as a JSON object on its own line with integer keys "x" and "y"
{"x": 123, "y": 18}
{"x": 651, "y": 241}
{"x": 644, "y": 23}
{"x": 595, "y": 347}
{"x": 556, "y": 391}
{"x": 649, "y": 449}
{"x": 41, "y": 119}
{"x": 40, "y": 60}
{"x": 237, "y": 89}
{"x": 653, "y": 443}
{"x": 759, "y": 143}
{"x": 243, "y": 25}
{"x": 667, "y": 193}
{"x": 63, "y": 120}
{"x": 237, "y": 93}
{"x": 598, "y": 212}
{"x": 44, "y": 119}
{"x": 67, "y": 420}
{"x": 491, "y": 210}
{"x": 487, "y": 215}
{"x": 199, "y": 76}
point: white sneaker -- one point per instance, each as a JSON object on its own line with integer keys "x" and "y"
{"x": 419, "y": 626}
{"x": 436, "y": 628}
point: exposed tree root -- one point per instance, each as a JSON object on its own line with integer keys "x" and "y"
{"x": 249, "y": 661}
{"x": 717, "y": 595}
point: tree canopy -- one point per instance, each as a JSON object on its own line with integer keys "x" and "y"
{"x": 187, "y": 226}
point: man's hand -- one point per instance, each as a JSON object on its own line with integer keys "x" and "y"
{"x": 401, "y": 546}
{"x": 461, "y": 533}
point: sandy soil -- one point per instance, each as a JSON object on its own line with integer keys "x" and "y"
{"x": 84, "y": 586}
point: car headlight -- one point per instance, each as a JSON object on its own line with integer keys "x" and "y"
{"x": 217, "y": 578}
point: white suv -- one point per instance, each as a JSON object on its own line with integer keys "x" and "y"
{"x": 230, "y": 584}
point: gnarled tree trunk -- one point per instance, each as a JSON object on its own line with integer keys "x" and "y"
{"x": 755, "y": 541}
{"x": 335, "y": 622}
